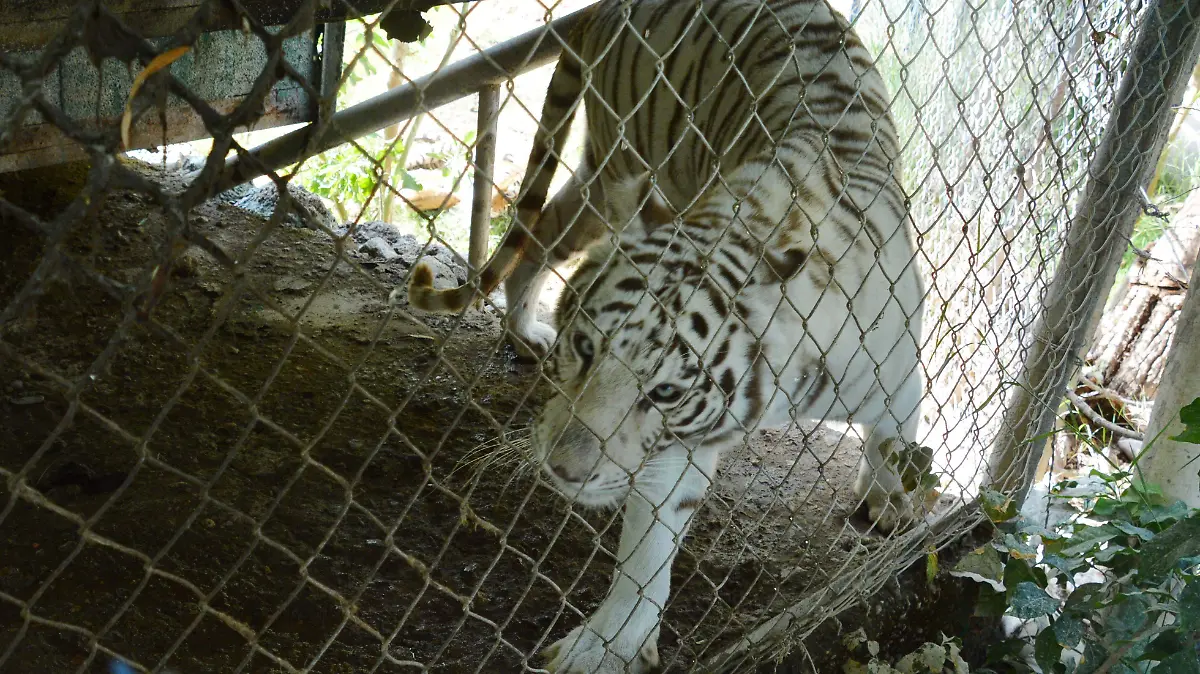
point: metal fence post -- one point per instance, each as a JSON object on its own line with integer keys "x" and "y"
{"x": 485, "y": 164}
{"x": 333, "y": 41}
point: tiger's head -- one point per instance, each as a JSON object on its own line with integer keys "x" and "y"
{"x": 648, "y": 360}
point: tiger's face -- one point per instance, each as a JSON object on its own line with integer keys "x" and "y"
{"x": 642, "y": 374}
{"x": 631, "y": 401}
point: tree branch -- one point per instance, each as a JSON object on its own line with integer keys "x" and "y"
{"x": 1100, "y": 421}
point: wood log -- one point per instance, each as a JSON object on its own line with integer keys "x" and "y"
{"x": 1132, "y": 340}
{"x": 1127, "y": 358}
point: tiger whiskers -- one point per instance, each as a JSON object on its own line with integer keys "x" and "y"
{"x": 511, "y": 450}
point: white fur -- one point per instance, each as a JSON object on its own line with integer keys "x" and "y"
{"x": 854, "y": 321}
{"x": 591, "y": 431}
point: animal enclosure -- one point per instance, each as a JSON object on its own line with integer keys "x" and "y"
{"x": 228, "y": 442}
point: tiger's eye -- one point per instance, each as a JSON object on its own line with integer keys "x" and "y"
{"x": 665, "y": 393}
{"x": 584, "y": 346}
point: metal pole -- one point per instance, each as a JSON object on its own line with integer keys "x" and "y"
{"x": 333, "y": 40}
{"x": 485, "y": 164}
{"x": 502, "y": 62}
{"x": 1166, "y": 49}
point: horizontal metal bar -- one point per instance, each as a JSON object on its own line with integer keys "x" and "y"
{"x": 460, "y": 79}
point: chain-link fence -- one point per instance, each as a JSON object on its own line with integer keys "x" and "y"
{"x": 230, "y": 444}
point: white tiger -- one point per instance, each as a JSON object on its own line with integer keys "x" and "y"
{"x": 759, "y": 270}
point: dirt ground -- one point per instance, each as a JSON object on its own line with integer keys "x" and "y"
{"x": 292, "y": 483}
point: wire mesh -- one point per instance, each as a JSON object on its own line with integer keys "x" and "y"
{"x": 227, "y": 445}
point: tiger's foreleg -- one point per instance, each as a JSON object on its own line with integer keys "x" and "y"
{"x": 622, "y": 634}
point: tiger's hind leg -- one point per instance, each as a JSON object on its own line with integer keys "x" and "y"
{"x": 889, "y": 506}
{"x": 569, "y": 224}
{"x": 889, "y": 474}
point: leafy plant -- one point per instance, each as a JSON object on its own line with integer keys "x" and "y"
{"x": 499, "y": 225}
{"x": 1190, "y": 416}
{"x": 1117, "y": 586}
{"x": 350, "y": 177}
{"x": 929, "y": 658}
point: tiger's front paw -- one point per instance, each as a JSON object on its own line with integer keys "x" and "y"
{"x": 892, "y": 476}
{"x": 584, "y": 651}
{"x": 890, "y": 512}
{"x": 532, "y": 339}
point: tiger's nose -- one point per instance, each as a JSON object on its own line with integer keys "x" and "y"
{"x": 565, "y": 473}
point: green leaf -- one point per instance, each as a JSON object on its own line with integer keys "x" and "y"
{"x": 1156, "y": 514}
{"x": 1177, "y": 541}
{"x": 1113, "y": 549}
{"x": 1093, "y": 654}
{"x": 1125, "y": 561}
{"x": 1189, "y": 606}
{"x": 1069, "y": 630}
{"x": 1003, "y": 650}
{"x": 1061, "y": 563}
{"x": 1054, "y": 547}
{"x": 1085, "y": 598}
{"x": 998, "y": 507}
{"x": 1063, "y": 486}
{"x": 1031, "y": 601}
{"x": 1018, "y": 548}
{"x": 1190, "y": 416}
{"x": 1145, "y": 493}
{"x": 1163, "y": 646}
{"x": 1127, "y": 617}
{"x": 408, "y": 181}
{"x": 1106, "y": 507}
{"x": 1018, "y": 571}
{"x": 1134, "y": 530}
{"x": 983, "y": 561}
{"x": 1183, "y": 662}
{"x": 1090, "y": 538}
{"x": 1101, "y": 486}
{"x": 1028, "y": 528}
{"x": 991, "y": 602}
{"x": 1046, "y": 650}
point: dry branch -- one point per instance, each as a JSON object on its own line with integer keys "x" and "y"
{"x": 1087, "y": 411}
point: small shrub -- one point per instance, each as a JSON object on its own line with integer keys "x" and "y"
{"x": 929, "y": 658}
{"x": 1116, "y": 587}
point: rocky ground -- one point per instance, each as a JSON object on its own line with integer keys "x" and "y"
{"x": 279, "y": 450}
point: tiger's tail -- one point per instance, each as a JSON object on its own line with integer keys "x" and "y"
{"x": 562, "y": 100}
